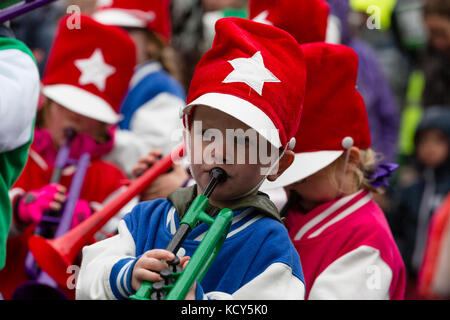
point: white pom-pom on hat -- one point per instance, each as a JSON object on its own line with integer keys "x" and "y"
{"x": 292, "y": 143}
{"x": 347, "y": 143}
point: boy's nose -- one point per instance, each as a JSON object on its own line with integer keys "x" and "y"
{"x": 218, "y": 154}
{"x": 219, "y": 157}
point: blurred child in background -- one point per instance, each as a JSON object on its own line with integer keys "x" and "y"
{"x": 155, "y": 97}
{"x": 85, "y": 81}
{"x": 414, "y": 204}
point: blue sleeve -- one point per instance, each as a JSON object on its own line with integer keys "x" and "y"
{"x": 248, "y": 254}
{"x": 120, "y": 278}
{"x": 142, "y": 223}
{"x": 277, "y": 247}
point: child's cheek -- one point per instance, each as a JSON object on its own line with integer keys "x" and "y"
{"x": 200, "y": 176}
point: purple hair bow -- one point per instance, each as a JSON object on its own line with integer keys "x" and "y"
{"x": 382, "y": 174}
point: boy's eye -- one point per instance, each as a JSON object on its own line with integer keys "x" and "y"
{"x": 207, "y": 135}
{"x": 242, "y": 140}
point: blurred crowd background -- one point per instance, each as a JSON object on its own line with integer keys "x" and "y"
{"x": 404, "y": 78}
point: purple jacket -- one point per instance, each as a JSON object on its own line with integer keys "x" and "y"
{"x": 382, "y": 110}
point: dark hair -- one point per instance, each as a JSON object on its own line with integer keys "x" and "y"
{"x": 438, "y": 7}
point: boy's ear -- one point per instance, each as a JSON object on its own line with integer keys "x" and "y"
{"x": 284, "y": 163}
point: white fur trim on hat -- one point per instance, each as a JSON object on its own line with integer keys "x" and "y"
{"x": 82, "y": 102}
{"x": 304, "y": 165}
{"x": 118, "y": 17}
{"x": 242, "y": 110}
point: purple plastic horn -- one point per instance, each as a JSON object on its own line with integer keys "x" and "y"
{"x": 20, "y": 7}
{"x": 44, "y": 287}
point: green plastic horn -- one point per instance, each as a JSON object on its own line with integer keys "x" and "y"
{"x": 205, "y": 253}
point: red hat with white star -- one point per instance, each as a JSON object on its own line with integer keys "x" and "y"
{"x": 255, "y": 73}
{"x": 334, "y": 115}
{"x": 306, "y": 20}
{"x": 151, "y": 14}
{"x": 86, "y": 73}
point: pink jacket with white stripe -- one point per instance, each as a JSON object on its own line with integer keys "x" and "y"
{"x": 347, "y": 250}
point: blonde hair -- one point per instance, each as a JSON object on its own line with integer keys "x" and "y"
{"x": 164, "y": 53}
{"x": 366, "y": 168}
{"x": 368, "y": 160}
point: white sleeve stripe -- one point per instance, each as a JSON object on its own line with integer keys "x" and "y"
{"x": 343, "y": 214}
{"x": 120, "y": 277}
{"x": 125, "y": 276}
{"x": 38, "y": 159}
{"x": 333, "y": 208}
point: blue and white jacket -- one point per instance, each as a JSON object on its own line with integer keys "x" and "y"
{"x": 257, "y": 259}
{"x": 150, "y": 113}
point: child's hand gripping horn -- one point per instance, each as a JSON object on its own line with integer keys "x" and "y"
{"x": 176, "y": 284}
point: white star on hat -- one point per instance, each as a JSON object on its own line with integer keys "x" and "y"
{"x": 262, "y": 18}
{"x": 94, "y": 70}
{"x": 251, "y": 71}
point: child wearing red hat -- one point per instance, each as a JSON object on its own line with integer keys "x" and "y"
{"x": 342, "y": 236}
{"x": 151, "y": 107}
{"x": 306, "y": 21}
{"x": 290, "y": 15}
{"x": 84, "y": 83}
{"x": 250, "y": 84}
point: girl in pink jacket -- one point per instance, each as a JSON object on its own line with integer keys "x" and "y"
{"x": 343, "y": 239}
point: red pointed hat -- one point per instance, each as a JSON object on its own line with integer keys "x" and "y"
{"x": 255, "y": 73}
{"x": 334, "y": 115}
{"x": 306, "y": 20}
{"x": 86, "y": 73}
{"x": 151, "y": 14}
